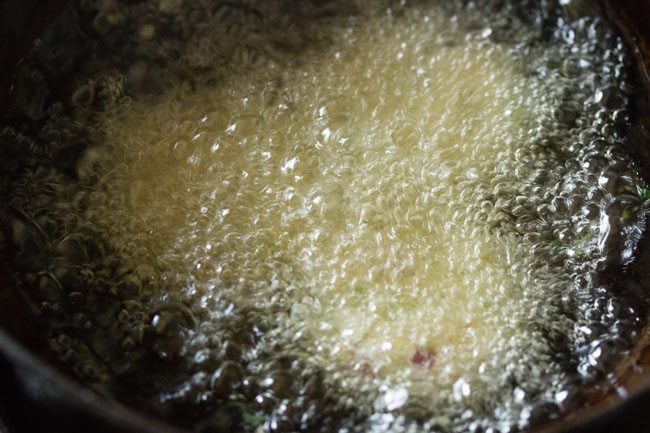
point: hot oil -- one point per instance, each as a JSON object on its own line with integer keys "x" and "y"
{"x": 365, "y": 194}
{"x": 407, "y": 225}
{"x": 393, "y": 192}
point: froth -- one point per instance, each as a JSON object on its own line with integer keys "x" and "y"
{"x": 416, "y": 211}
{"x": 362, "y": 189}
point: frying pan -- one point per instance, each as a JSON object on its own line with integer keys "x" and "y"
{"x": 36, "y": 396}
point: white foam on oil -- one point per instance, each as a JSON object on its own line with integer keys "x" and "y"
{"x": 359, "y": 187}
{"x": 361, "y": 191}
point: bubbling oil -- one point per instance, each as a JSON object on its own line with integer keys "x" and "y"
{"x": 360, "y": 189}
{"x": 360, "y": 193}
{"x": 404, "y": 224}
